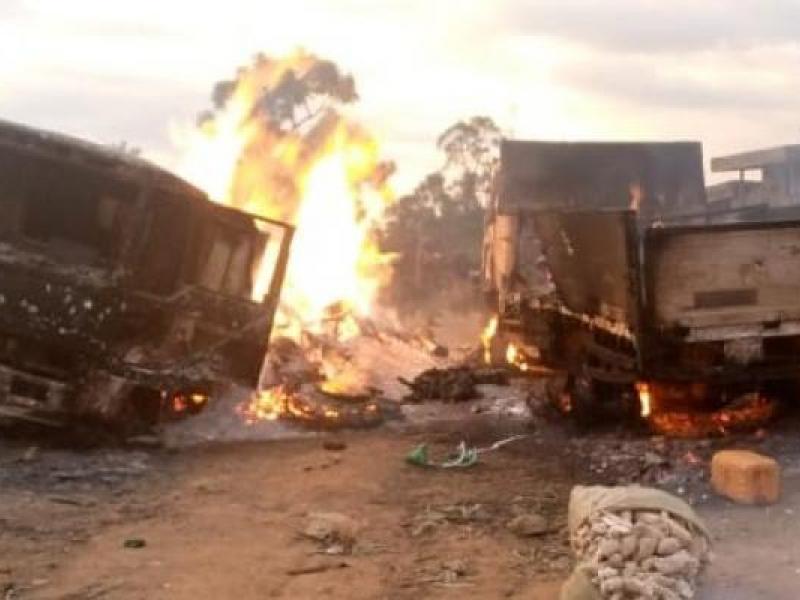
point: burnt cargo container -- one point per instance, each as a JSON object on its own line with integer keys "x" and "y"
{"x": 592, "y": 273}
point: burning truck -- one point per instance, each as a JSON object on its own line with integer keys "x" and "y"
{"x": 694, "y": 326}
{"x": 125, "y": 294}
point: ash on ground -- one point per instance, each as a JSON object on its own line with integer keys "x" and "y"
{"x": 623, "y": 454}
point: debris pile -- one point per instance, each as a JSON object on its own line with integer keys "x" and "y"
{"x": 453, "y": 384}
{"x": 637, "y": 543}
{"x": 676, "y": 465}
{"x": 311, "y": 406}
{"x": 331, "y": 379}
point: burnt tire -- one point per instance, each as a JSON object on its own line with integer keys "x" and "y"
{"x": 572, "y": 395}
{"x": 584, "y": 395}
{"x": 557, "y": 392}
{"x": 116, "y": 403}
{"x": 103, "y": 397}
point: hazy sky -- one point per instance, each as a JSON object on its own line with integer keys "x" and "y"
{"x": 721, "y": 71}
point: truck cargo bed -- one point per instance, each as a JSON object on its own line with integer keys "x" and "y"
{"x": 724, "y": 282}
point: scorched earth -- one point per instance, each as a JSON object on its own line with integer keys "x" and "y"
{"x": 342, "y": 515}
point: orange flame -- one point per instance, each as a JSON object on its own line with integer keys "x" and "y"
{"x": 516, "y": 358}
{"x": 683, "y": 410}
{"x": 324, "y": 175}
{"x": 326, "y": 178}
{"x": 487, "y": 336}
{"x": 754, "y": 411}
{"x": 645, "y": 399}
{"x": 266, "y": 405}
{"x": 182, "y": 402}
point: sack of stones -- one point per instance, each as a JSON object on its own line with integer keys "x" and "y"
{"x": 634, "y": 543}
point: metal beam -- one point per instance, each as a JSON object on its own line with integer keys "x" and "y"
{"x": 755, "y": 159}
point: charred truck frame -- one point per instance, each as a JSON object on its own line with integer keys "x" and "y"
{"x": 125, "y": 294}
{"x": 587, "y": 272}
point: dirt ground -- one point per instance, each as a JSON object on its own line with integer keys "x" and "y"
{"x": 227, "y": 520}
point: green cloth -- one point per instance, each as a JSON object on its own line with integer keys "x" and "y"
{"x": 466, "y": 457}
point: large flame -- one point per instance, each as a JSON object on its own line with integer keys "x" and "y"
{"x": 487, "y": 337}
{"x": 277, "y": 146}
{"x": 324, "y": 176}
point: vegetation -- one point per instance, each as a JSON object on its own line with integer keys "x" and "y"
{"x": 437, "y": 229}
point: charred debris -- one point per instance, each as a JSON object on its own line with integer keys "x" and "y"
{"x": 453, "y": 384}
{"x": 129, "y": 298}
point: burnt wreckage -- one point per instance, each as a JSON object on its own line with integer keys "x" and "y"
{"x": 125, "y": 294}
{"x": 604, "y": 261}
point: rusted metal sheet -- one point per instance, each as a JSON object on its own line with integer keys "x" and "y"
{"x": 662, "y": 179}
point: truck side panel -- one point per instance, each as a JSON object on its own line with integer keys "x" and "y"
{"x": 715, "y": 284}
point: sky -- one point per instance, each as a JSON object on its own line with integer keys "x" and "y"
{"x": 721, "y": 72}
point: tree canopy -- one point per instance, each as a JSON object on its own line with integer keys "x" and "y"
{"x": 290, "y": 92}
{"x": 437, "y": 229}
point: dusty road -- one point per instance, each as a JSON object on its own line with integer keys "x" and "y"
{"x": 227, "y": 521}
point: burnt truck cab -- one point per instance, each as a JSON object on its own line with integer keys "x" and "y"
{"x": 124, "y": 291}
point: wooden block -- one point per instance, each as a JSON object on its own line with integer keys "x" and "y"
{"x": 746, "y": 477}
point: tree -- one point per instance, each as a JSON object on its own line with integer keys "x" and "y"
{"x": 471, "y": 148}
{"x": 437, "y": 229}
{"x": 278, "y": 103}
{"x": 301, "y": 92}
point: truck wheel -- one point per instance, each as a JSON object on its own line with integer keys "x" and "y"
{"x": 117, "y": 403}
{"x": 557, "y": 391}
{"x": 584, "y": 397}
{"x": 103, "y": 397}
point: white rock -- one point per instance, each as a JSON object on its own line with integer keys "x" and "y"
{"x": 611, "y": 585}
{"x": 608, "y": 547}
{"x": 647, "y": 547}
{"x": 680, "y": 563}
{"x": 677, "y": 530}
{"x": 668, "y": 546}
